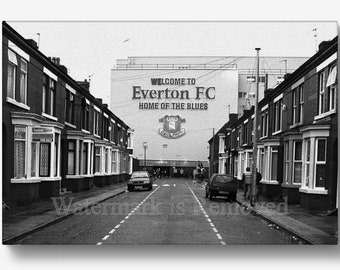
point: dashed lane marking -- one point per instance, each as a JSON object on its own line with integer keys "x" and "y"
{"x": 125, "y": 218}
{"x": 219, "y": 237}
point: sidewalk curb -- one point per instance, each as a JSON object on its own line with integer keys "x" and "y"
{"x": 282, "y": 226}
{"x": 11, "y": 240}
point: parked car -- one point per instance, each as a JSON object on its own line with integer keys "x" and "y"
{"x": 221, "y": 185}
{"x": 140, "y": 180}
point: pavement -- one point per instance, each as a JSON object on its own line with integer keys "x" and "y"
{"x": 314, "y": 227}
{"x": 21, "y": 221}
{"x": 174, "y": 212}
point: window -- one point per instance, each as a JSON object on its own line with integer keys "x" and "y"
{"x": 23, "y": 81}
{"x": 71, "y": 160}
{"x": 112, "y": 132}
{"x": 297, "y": 162}
{"x": 44, "y": 166}
{"x": 307, "y": 163}
{"x": 69, "y": 107}
{"x": 239, "y": 137}
{"x": 56, "y": 151}
{"x": 19, "y": 151}
{"x": 34, "y": 156}
{"x": 331, "y": 88}
{"x": 114, "y": 161}
{"x": 320, "y": 164}
{"x": 96, "y": 122}
{"x": 264, "y": 124}
{"x": 301, "y": 101}
{"x": 49, "y": 95}
{"x": 321, "y": 92}
{"x": 106, "y": 160}
{"x": 262, "y": 79}
{"x": 274, "y": 159}
{"x": 85, "y": 112}
{"x": 97, "y": 160}
{"x": 106, "y": 130}
{"x": 85, "y": 157}
{"x": 295, "y": 97}
{"x": 287, "y": 176}
{"x": 11, "y": 75}
{"x": 277, "y": 115}
{"x": 245, "y": 133}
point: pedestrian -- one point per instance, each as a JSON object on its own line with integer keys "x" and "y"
{"x": 181, "y": 172}
{"x": 246, "y": 178}
{"x": 258, "y": 180}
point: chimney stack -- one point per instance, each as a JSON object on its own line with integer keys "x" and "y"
{"x": 32, "y": 43}
{"x": 85, "y": 85}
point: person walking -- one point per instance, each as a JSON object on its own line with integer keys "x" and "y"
{"x": 258, "y": 179}
{"x": 246, "y": 178}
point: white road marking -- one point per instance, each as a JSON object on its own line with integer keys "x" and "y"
{"x": 165, "y": 185}
{"x": 154, "y": 185}
{"x": 208, "y": 219}
{"x": 174, "y": 185}
{"x": 126, "y": 217}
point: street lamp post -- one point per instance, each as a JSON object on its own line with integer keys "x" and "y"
{"x": 254, "y": 174}
{"x": 145, "y": 146}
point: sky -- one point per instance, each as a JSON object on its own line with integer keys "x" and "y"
{"x": 90, "y": 49}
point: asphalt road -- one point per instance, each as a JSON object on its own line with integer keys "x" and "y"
{"x": 175, "y": 212}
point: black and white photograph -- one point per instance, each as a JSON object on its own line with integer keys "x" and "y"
{"x": 133, "y": 134}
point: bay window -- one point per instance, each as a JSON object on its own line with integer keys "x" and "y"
{"x": 314, "y": 168}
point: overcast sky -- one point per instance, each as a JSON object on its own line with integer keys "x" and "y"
{"x": 92, "y": 48}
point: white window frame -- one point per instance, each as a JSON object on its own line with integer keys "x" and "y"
{"x": 12, "y": 61}
{"x": 25, "y": 156}
{"x": 321, "y": 92}
{"x": 278, "y": 116}
{"x": 98, "y": 155}
{"x": 287, "y": 158}
{"x": 296, "y": 161}
{"x": 317, "y": 162}
{"x": 23, "y": 72}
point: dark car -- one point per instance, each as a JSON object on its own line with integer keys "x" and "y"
{"x": 140, "y": 180}
{"x": 224, "y": 185}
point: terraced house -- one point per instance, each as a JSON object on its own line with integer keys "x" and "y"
{"x": 56, "y": 134}
{"x": 298, "y": 135}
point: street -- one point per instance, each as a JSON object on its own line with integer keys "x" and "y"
{"x": 175, "y": 212}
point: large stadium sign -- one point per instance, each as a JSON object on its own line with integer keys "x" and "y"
{"x": 158, "y": 99}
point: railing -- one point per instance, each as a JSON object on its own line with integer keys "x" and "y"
{"x": 175, "y": 66}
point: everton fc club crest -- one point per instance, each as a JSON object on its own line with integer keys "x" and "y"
{"x": 171, "y": 127}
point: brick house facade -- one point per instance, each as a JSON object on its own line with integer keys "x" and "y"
{"x": 297, "y": 131}
{"x": 56, "y": 135}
